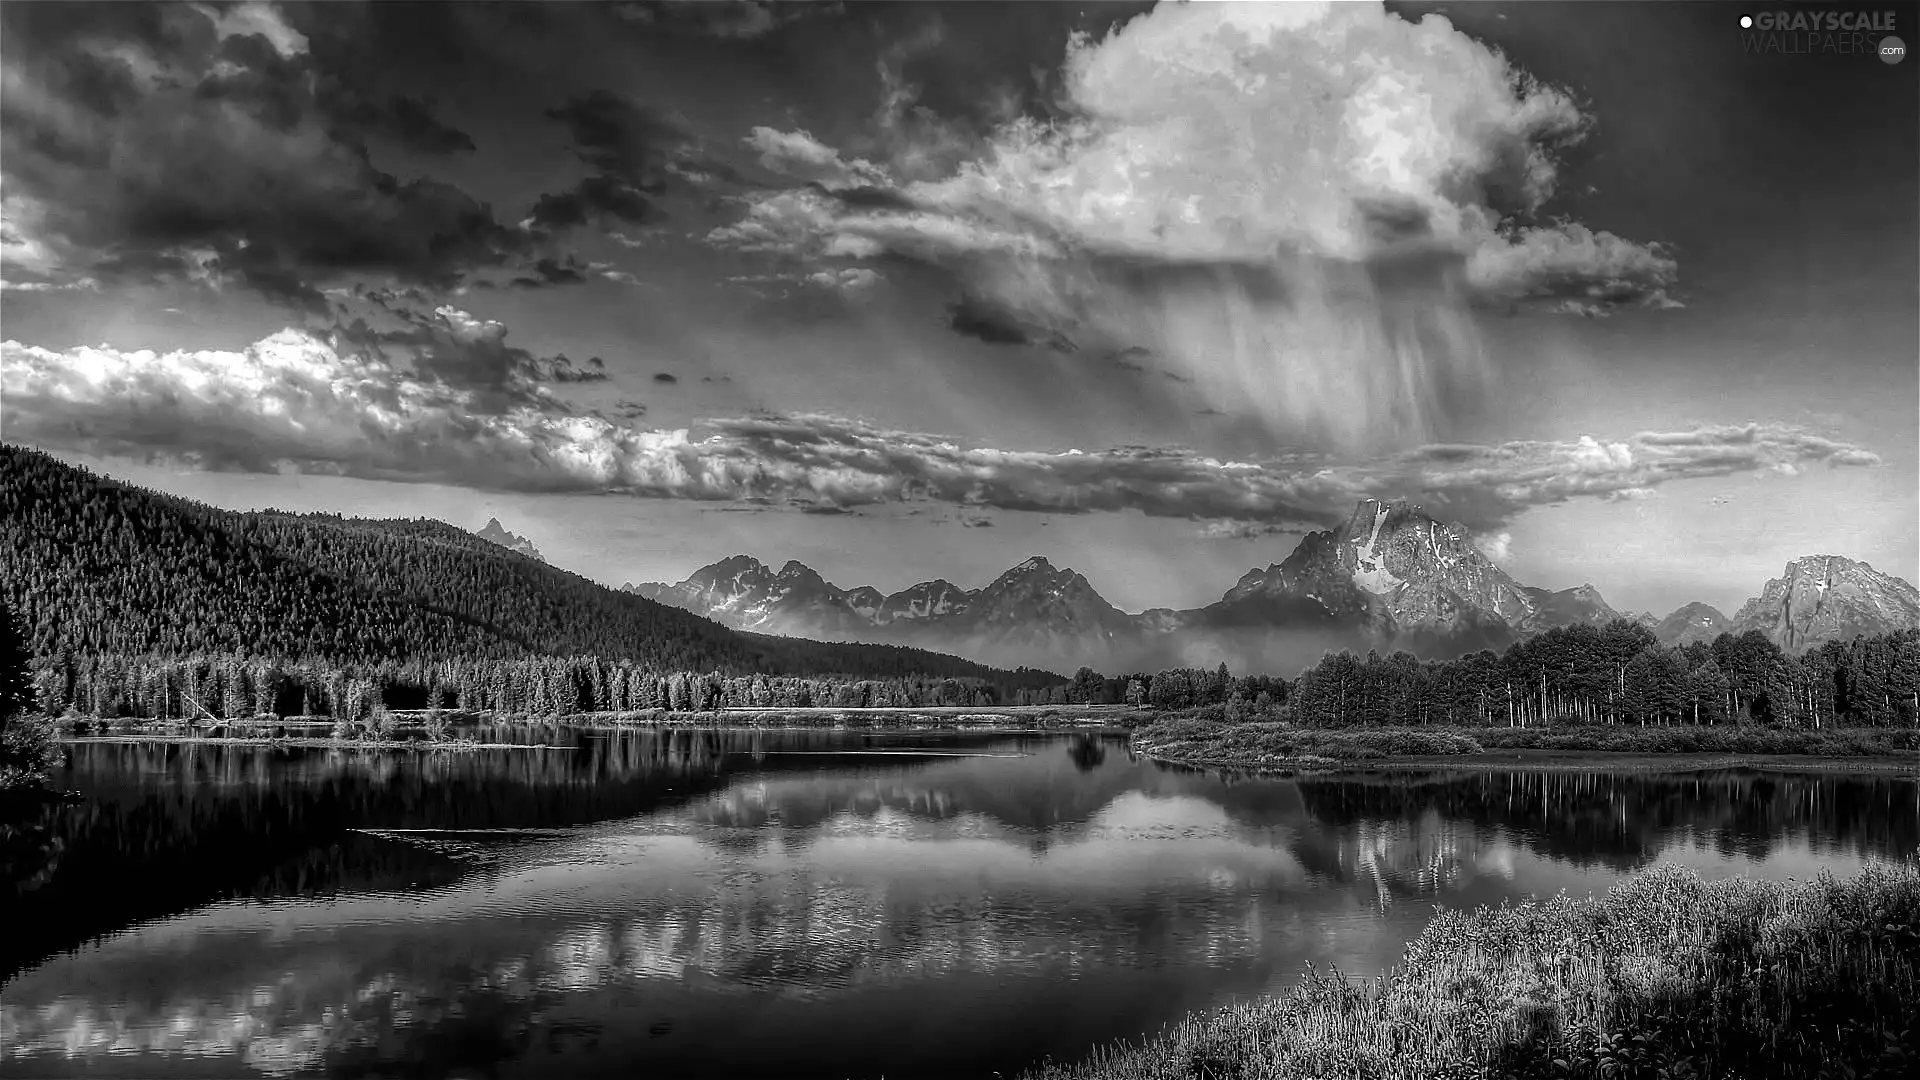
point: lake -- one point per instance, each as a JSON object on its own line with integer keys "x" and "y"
{"x": 785, "y": 903}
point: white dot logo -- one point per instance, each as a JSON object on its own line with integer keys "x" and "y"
{"x": 1746, "y": 22}
{"x": 1892, "y": 50}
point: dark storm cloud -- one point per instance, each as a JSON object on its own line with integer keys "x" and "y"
{"x": 549, "y": 272}
{"x": 634, "y": 155}
{"x": 666, "y": 377}
{"x": 594, "y": 196}
{"x": 976, "y": 317}
{"x": 166, "y": 141}
{"x": 616, "y": 135}
{"x": 406, "y": 118}
{"x": 739, "y": 19}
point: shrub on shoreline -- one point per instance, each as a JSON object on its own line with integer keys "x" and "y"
{"x": 1665, "y": 975}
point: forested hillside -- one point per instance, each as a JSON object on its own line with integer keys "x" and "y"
{"x": 99, "y": 568}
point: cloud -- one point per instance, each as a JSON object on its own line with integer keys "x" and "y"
{"x": 1497, "y": 546}
{"x": 608, "y": 272}
{"x": 799, "y": 222}
{"x": 14, "y": 285}
{"x": 852, "y": 279}
{"x": 738, "y": 19}
{"x": 459, "y": 406}
{"x": 799, "y": 155}
{"x": 1295, "y": 204}
{"x": 254, "y": 18}
{"x": 157, "y": 142}
{"x": 632, "y": 154}
{"x": 996, "y": 324}
{"x": 409, "y": 119}
{"x": 1573, "y": 269}
{"x": 452, "y": 347}
{"x": 1240, "y": 530}
{"x": 666, "y": 377}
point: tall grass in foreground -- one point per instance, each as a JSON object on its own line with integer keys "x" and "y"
{"x": 1665, "y": 976}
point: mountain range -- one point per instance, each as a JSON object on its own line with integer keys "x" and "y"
{"x": 1392, "y": 576}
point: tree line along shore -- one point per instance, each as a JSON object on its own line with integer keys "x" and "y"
{"x": 1582, "y": 688}
{"x": 1613, "y": 675}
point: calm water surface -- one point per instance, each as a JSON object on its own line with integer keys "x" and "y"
{"x": 784, "y": 903}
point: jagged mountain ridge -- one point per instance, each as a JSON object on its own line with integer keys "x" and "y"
{"x": 498, "y": 534}
{"x": 1391, "y": 576}
{"x": 1828, "y": 597}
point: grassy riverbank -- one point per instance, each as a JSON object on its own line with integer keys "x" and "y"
{"x": 1666, "y": 975}
{"x": 1268, "y": 745}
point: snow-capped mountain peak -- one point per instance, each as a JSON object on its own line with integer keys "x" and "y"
{"x": 1828, "y": 597}
{"x": 1391, "y": 576}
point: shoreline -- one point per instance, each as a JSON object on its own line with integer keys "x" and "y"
{"x": 407, "y": 727}
{"x": 1557, "y": 760}
{"x": 451, "y": 745}
{"x": 1277, "y": 747}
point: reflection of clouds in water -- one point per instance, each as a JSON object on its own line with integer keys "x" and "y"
{"x": 314, "y": 1016}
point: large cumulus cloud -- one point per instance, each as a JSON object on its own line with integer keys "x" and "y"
{"x": 1297, "y": 203}
{"x": 310, "y": 401}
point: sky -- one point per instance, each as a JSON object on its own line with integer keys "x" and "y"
{"x": 914, "y": 291}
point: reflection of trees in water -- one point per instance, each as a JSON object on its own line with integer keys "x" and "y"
{"x": 195, "y": 823}
{"x": 30, "y": 845}
{"x": 1624, "y": 820}
{"x": 1088, "y": 752}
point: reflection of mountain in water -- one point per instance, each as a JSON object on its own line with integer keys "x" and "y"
{"x": 1419, "y": 833}
{"x": 838, "y": 889}
{"x": 188, "y": 824}
{"x": 192, "y": 824}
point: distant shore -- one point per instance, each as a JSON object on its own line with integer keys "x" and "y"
{"x": 451, "y": 729}
{"x": 1268, "y": 747}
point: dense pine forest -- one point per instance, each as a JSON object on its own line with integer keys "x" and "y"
{"x": 128, "y": 596}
